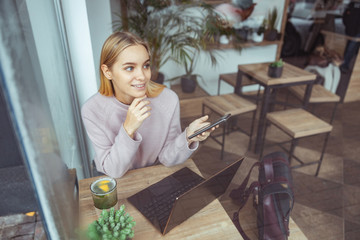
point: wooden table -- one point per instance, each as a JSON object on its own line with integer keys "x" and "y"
{"x": 291, "y": 76}
{"x": 212, "y": 222}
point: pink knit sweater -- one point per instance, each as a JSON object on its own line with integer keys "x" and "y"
{"x": 158, "y": 139}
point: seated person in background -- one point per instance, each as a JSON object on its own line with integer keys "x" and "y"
{"x": 133, "y": 122}
{"x": 325, "y": 62}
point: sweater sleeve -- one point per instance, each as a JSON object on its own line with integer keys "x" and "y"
{"x": 176, "y": 149}
{"x": 114, "y": 158}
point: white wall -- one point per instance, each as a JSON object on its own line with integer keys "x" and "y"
{"x": 85, "y": 37}
{"x": 99, "y": 16}
{"x": 80, "y": 44}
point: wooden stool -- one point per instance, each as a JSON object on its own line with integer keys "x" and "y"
{"x": 231, "y": 78}
{"x": 319, "y": 94}
{"x": 233, "y": 104}
{"x": 298, "y": 123}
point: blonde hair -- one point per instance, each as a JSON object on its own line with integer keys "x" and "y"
{"x": 113, "y": 46}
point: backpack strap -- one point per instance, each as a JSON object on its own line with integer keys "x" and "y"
{"x": 238, "y": 194}
{"x": 252, "y": 188}
{"x": 241, "y": 195}
{"x": 269, "y": 170}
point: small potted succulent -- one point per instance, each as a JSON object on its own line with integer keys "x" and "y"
{"x": 112, "y": 225}
{"x": 276, "y": 68}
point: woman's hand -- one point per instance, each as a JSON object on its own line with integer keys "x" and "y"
{"x": 138, "y": 111}
{"x": 195, "y": 125}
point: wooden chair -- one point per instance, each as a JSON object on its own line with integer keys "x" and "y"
{"x": 319, "y": 94}
{"x": 335, "y": 43}
{"x": 298, "y": 123}
{"x": 233, "y": 104}
{"x": 347, "y": 89}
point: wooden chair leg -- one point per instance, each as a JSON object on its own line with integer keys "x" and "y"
{"x": 252, "y": 130}
{"x": 292, "y": 149}
{"x": 322, "y": 154}
{"x": 333, "y": 113}
{"x": 286, "y": 99}
{"x": 263, "y": 141}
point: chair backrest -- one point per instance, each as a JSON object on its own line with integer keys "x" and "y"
{"x": 343, "y": 86}
{"x": 337, "y": 42}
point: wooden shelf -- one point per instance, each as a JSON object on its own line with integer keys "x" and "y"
{"x": 244, "y": 45}
{"x": 216, "y": 2}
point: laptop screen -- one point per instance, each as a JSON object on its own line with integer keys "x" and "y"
{"x": 200, "y": 196}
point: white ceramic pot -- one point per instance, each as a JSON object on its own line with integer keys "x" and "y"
{"x": 257, "y": 38}
{"x": 224, "y": 39}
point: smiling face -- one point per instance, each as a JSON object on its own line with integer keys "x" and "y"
{"x": 130, "y": 73}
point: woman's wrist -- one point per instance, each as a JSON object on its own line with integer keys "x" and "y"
{"x": 129, "y": 132}
{"x": 189, "y": 141}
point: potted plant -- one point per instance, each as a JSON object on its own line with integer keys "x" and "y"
{"x": 166, "y": 27}
{"x": 112, "y": 225}
{"x": 189, "y": 80}
{"x": 275, "y": 68}
{"x": 190, "y": 48}
{"x": 217, "y": 27}
{"x": 271, "y": 32}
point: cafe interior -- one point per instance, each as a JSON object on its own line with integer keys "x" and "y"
{"x": 49, "y": 57}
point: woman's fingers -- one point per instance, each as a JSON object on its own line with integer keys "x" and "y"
{"x": 195, "y": 126}
{"x": 202, "y": 119}
{"x": 136, "y": 102}
{"x": 138, "y": 111}
{"x": 145, "y": 109}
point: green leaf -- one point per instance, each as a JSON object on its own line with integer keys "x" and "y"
{"x": 278, "y": 63}
{"x": 122, "y": 208}
{"x": 125, "y": 231}
{"x": 129, "y": 219}
{"x": 112, "y": 211}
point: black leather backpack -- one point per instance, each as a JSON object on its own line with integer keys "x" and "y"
{"x": 274, "y": 191}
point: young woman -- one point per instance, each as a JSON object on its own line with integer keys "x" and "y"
{"x": 133, "y": 122}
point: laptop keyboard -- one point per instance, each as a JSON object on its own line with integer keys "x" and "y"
{"x": 159, "y": 208}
